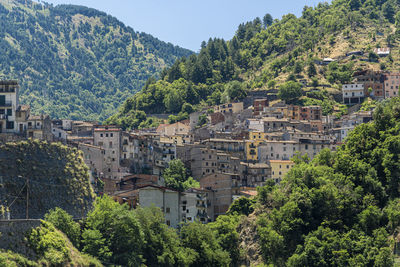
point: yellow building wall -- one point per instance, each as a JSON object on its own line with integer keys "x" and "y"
{"x": 252, "y": 149}
{"x": 254, "y": 135}
{"x": 279, "y": 168}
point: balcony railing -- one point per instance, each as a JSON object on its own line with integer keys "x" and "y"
{"x": 3, "y": 116}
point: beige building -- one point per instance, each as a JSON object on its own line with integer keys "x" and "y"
{"x": 109, "y": 139}
{"x": 391, "y": 84}
{"x": 279, "y": 168}
{"x": 226, "y": 188}
{"x": 168, "y": 200}
{"x": 177, "y": 128}
{"x": 229, "y": 108}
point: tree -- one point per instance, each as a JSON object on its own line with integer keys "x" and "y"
{"x": 298, "y": 67}
{"x": 176, "y": 176}
{"x": 312, "y": 71}
{"x": 290, "y": 91}
{"x": 64, "y": 222}
{"x": 314, "y": 82}
{"x": 241, "y": 206}
{"x": 225, "y": 229}
{"x": 267, "y": 20}
{"x": 114, "y": 230}
{"x": 389, "y": 10}
{"x": 233, "y": 91}
{"x": 162, "y": 244}
{"x": 202, "y": 240}
{"x": 373, "y": 57}
{"x": 355, "y": 4}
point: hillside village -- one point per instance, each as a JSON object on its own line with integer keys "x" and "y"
{"x": 230, "y": 149}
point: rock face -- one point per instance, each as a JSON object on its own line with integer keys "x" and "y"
{"x": 248, "y": 238}
{"x": 54, "y": 175}
{"x": 13, "y": 233}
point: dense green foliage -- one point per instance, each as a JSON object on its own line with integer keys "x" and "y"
{"x": 76, "y": 62}
{"x": 58, "y": 177}
{"x": 117, "y": 235}
{"x": 65, "y": 223}
{"x": 341, "y": 208}
{"x": 176, "y": 176}
{"x": 113, "y": 234}
{"x": 54, "y": 249}
{"x": 10, "y": 259}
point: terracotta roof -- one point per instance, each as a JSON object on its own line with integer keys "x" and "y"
{"x": 249, "y": 192}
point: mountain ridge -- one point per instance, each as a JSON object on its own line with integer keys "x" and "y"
{"x": 76, "y": 62}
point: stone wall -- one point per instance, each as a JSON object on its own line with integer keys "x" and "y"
{"x": 13, "y": 233}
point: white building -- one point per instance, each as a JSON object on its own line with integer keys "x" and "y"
{"x": 353, "y": 93}
{"x": 8, "y": 106}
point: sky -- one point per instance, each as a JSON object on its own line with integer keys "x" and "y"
{"x": 188, "y": 22}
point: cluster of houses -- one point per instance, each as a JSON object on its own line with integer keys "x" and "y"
{"x": 368, "y": 83}
{"x": 238, "y": 147}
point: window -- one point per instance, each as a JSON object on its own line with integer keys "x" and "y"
{"x": 106, "y": 134}
{"x": 183, "y": 207}
{"x": 168, "y": 222}
{"x": 9, "y": 125}
{"x": 111, "y": 135}
{"x": 167, "y": 210}
{"x": 9, "y": 112}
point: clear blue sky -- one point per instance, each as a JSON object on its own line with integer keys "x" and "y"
{"x": 188, "y": 22}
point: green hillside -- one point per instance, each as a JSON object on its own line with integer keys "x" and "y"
{"x": 76, "y": 62}
{"x": 267, "y": 54}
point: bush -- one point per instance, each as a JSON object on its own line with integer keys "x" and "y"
{"x": 64, "y": 222}
{"x": 50, "y": 244}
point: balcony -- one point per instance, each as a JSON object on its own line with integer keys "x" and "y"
{"x": 6, "y": 104}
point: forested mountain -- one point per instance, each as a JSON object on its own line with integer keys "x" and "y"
{"x": 270, "y": 53}
{"x": 76, "y": 62}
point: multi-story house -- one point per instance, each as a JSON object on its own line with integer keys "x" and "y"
{"x": 353, "y": 93}
{"x": 177, "y": 128}
{"x": 164, "y": 152}
{"x": 279, "y": 168}
{"x": 255, "y": 174}
{"x": 371, "y": 79}
{"x": 259, "y": 105}
{"x": 167, "y": 199}
{"x": 391, "y": 84}
{"x": 226, "y": 188}
{"x": 109, "y": 139}
{"x": 8, "y": 106}
{"x": 196, "y": 205}
{"x": 229, "y": 108}
{"x": 234, "y": 147}
{"x": 304, "y": 113}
